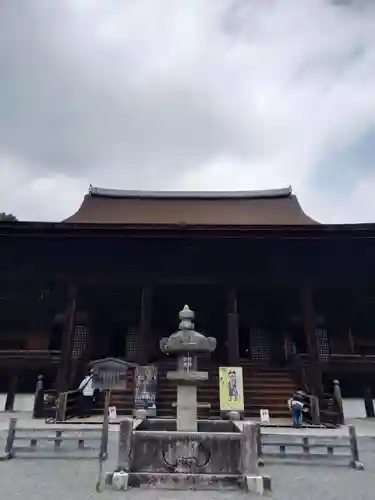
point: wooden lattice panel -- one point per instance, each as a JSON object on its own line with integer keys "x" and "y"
{"x": 323, "y": 343}
{"x": 80, "y": 340}
{"x": 132, "y": 347}
{"x": 259, "y": 344}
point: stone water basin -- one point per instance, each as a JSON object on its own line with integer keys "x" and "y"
{"x": 163, "y": 456}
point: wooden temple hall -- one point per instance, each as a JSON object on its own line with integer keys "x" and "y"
{"x": 268, "y": 282}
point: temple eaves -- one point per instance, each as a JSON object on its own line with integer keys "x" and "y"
{"x": 191, "y": 208}
{"x": 120, "y": 193}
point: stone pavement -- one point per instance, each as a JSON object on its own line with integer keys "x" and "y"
{"x": 62, "y": 479}
{"x": 75, "y": 480}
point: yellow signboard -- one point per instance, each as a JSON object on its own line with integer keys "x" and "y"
{"x": 231, "y": 389}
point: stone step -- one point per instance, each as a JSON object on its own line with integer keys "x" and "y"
{"x": 253, "y": 413}
{"x": 275, "y": 406}
{"x": 284, "y": 376}
{"x": 119, "y": 410}
{"x": 257, "y": 402}
{"x": 269, "y": 390}
{"x": 267, "y": 395}
{"x": 271, "y": 398}
{"x": 264, "y": 387}
{"x": 269, "y": 387}
{"x": 271, "y": 378}
{"x": 250, "y": 378}
{"x": 246, "y": 383}
{"x": 169, "y": 392}
{"x": 273, "y": 415}
{"x": 268, "y": 376}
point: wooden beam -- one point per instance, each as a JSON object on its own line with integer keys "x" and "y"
{"x": 145, "y": 323}
{"x": 12, "y": 390}
{"x": 314, "y": 370}
{"x": 233, "y": 326}
{"x": 67, "y": 342}
{"x": 134, "y": 278}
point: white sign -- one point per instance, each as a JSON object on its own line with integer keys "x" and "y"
{"x": 264, "y": 416}
{"x": 112, "y": 413}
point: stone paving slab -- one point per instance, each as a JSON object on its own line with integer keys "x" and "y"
{"x": 61, "y": 480}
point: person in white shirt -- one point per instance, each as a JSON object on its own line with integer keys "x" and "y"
{"x": 86, "y": 397}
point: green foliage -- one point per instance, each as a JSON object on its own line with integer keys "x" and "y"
{"x": 7, "y": 217}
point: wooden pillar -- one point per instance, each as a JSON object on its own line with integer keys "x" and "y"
{"x": 90, "y": 345}
{"x": 11, "y": 390}
{"x": 145, "y": 324}
{"x": 233, "y": 327}
{"x": 314, "y": 371}
{"x": 63, "y": 376}
{"x": 369, "y": 401}
{"x": 38, "y": 339}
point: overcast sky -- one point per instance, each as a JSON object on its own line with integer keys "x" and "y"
{"x": 187, "y": 94}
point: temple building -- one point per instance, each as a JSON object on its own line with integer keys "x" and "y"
{"x": 262, "y": 277}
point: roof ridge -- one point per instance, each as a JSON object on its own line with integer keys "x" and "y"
{"x": 119, "y": 193}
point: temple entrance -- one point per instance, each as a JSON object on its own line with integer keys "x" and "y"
{"x": 116, "y": 313}
{"x": 208, "y": 304}
{"x": 264, "y": 324}
{"x": 259, "y": 344}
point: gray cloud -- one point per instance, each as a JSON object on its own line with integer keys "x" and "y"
{"x": 198, "y": 94}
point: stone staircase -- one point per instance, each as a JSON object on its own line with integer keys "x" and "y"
{"x": 267, "y": 388}
{"x": 123, "y": 400}
{"x": 264, "y": 388}
{"x": 208, "y": 391}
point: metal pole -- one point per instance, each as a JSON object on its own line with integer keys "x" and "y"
{"x": 104, "y": 440}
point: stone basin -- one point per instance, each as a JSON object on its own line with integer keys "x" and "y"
{"x": 164, "y": 424}
{"x": 212, "y": 451}
{"x": 218, "y": 456}
{"x": 187, "y": 453}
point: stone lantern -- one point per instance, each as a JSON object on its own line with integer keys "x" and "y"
{"x": 186, "y": 344}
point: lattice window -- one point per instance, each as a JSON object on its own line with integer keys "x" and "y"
{"x": 132, "y": 347}
{"x": 323, "y": 343}
{"x": 81, "y": 334}
{"x": 259, "y": 344}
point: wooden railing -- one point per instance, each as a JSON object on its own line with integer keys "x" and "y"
{"x": 57, "y": 442}
{"x": 325, "y": 409}
{"x": 26, "y": 354}
{"x": 49, "y": 408}
{"x": 329, "y": 410}
{"x": 299, "y": 370}
{"x": 309, "y": 449}
{"x": 68, "y": 405}
{"x": 54, "y": 406}
{"x": 343, "y": 358}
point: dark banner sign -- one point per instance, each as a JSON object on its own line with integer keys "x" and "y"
{"x": 109, "y": 374}
{"x": 145, "y": 389}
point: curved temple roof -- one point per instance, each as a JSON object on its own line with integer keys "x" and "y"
{"x": 122, "y": 193}
{"x": 269, "y": 207}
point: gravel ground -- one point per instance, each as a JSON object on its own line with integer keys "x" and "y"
{"x": 32, "y": 479}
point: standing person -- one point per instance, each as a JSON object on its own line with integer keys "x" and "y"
{"x": 87, "y": 396}
{"x": 296, "y": 407}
